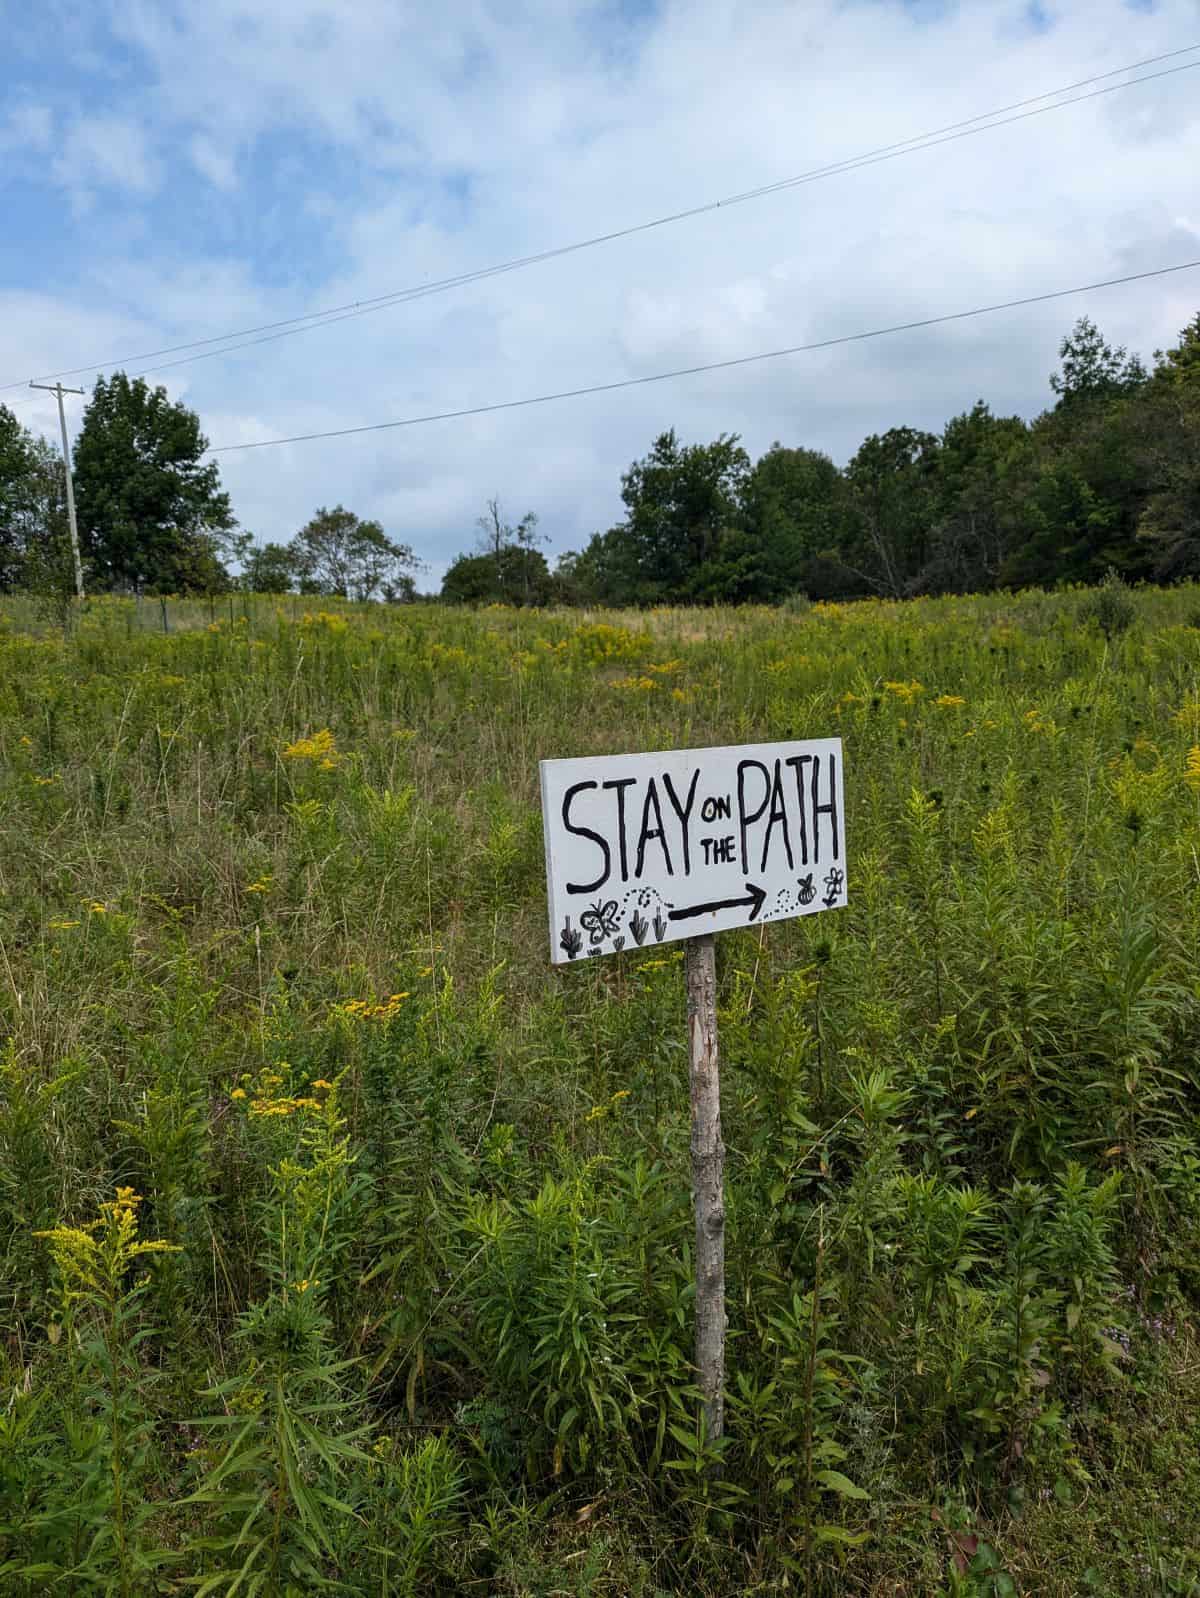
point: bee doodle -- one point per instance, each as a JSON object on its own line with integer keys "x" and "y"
{"x": 805, "y": 889}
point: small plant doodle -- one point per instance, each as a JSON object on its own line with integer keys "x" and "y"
{"x": 602, "y": 920}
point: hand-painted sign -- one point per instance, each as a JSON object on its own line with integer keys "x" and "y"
{"x": 646, "y": 848}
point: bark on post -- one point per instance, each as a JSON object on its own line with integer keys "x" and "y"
{"x": 708, "y": 1179}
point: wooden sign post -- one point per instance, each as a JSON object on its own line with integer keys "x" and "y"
{"x": 650, "y": 848}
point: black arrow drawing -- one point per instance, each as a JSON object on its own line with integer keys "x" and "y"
{"x": 754, "y": 897}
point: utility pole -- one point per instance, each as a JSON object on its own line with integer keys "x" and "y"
{"x": 59, "y": 390}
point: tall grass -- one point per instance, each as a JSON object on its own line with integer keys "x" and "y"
{"x": 275, "y": 986}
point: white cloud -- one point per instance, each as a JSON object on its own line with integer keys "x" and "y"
{"x": 106, "y": 152}
{"x": 509, "y": 129}
{"x": 213, "y": 162}
{"x": 26, "y": 129}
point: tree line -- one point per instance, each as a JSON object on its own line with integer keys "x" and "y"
{"x": 1107, "y": 478}
{"x": 153, "y": 517}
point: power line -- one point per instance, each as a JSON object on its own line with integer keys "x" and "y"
{"x": 710, "y": 366}
{"x": 982, "y": 123}
{"x": 856, "y": 164}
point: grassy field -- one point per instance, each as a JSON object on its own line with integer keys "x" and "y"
{"x": 346, "y": 1244}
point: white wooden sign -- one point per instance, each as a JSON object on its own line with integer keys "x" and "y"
{"x": 643, "y": 849}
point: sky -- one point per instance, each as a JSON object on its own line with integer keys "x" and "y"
{"x": 172, "y": 170}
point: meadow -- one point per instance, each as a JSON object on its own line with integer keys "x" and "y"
{"x": 346, "y": 1245}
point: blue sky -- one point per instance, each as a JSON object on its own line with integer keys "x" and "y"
{"x": 170, "y": 171}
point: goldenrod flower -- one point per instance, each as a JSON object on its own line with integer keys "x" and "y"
{"x": 321, "y": 747}
{"x": 905, "y": 691}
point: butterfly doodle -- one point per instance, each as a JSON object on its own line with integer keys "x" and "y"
{"x": 600, "y": 921}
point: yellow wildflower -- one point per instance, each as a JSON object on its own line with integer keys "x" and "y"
{"x": 238, "y": 1093}
{"x": 1191, "y": 773}
{"x": 62, "y": 926}
{"x": 905, "y": 691}
{"x": 949, "y": 700}
{"x": 321, "y": 747}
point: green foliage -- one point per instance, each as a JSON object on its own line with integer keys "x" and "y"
{"x": 152, "y": 514}
{"x": 273, "y": 955}
{"x": 339, "y": 553}
{"x": 514, "y": 576}
{"x": 1092, "y": 371}
{"x": 89, "y": 1526}
{"x": 269, "y": 569}
{"x": 1110, "y": 607}
{"x": 1108, "y": 479}
{"x": 34, "y": 550}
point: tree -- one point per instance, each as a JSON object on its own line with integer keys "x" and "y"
{"x": 1168, "y": 414}
{"x": 681, "y": 501}
{"x": 893, "y": 482}
{"x": 495, "y": 537}
{"x": 982, "y": 467}
{"x": 605, "y": 572}
{"x": 514, "y": 576}
{"x": 268, "y": 569}
{"x": 151, "y": 512}
{"x": 33, "y": 527}
{"x": 1092, "y": 369}
{"x": 338, "y": 553}
{"x": 794, "y": 506}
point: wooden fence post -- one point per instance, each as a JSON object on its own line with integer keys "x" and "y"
{"x": 708, "y": 1178}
